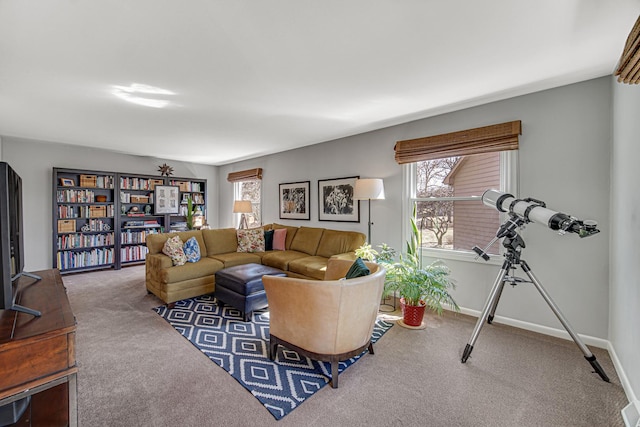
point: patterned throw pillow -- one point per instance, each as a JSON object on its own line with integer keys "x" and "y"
{"x": 279, "y": 239}
{"x": 173, "y": 249}
{"x": 251, "y": 240}
{"x": 192, "y": 250}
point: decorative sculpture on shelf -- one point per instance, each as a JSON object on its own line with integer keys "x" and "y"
{"x": 165, "y": 169}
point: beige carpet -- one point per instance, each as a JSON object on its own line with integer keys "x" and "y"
{"x": 136, "y": 370}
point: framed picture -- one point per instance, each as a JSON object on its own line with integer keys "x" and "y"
{"x": 166, "y": 199}
{"x": 294, "y": 200}
{"x": 67, "y": 182}
{"x": 335, "y": 200}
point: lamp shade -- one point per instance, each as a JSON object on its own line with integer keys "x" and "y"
{"x": 369, "y": 189}
{"x": 242, "y": 206}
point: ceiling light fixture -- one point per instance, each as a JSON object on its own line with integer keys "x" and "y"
{"x": 130, "y": 94}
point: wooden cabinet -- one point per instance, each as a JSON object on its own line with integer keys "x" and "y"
{"x": 101, "y": 219}
{"x": 37, "y": 354}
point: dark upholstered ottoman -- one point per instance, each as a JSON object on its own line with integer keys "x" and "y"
{"x": 241, "y": 287}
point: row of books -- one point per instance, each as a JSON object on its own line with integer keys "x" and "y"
{"x": 150, "y": 223}
{"x": 75, "y": 196}
{"x": 98, "y": 256}
{"x": 133, "y": 253}
{"x": 187, "y": 186}
{"x": 65, "y": 211}
{"x": 139, "y": 183}
{"x": 73, "y": 241}
{"x": 128, "y": 237}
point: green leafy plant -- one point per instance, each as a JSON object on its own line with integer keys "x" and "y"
{"x": 409, "y": 279}
{"x": 190, "y": 211}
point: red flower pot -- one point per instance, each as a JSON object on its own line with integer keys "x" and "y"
{"x": 412, "y": 314}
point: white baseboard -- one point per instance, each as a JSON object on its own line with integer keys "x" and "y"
{"x": 559, "y": 333}
{"x": 631, "y": 412}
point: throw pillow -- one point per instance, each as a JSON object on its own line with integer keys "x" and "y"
{"x": 358, "y": 269}
{"x": 192, "y": 250}
{"x": 268, "y": 240}
{"x": 279, "y": 239}
{"x": 173, "y": 249}
{"x": 251, "y": 240}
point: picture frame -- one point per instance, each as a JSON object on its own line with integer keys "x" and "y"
{"x": 166, "y": 199}
{"x": 335, "y": 200}
{"x": 294, "y": 200}
{"x": 67, "y": 182}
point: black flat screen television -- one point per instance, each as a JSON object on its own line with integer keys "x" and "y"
{"x": 11, "y": 239}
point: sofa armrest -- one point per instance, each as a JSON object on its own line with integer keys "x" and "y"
{"x": 158, "y": 262}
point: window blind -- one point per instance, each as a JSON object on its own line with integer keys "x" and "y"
{"x": 500, "y": 137}
{"x": 245, "y": 175}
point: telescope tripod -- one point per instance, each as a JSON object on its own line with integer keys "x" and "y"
{"x": 514, "y": 243}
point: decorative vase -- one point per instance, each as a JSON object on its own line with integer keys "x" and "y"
{"x": 412, "y": 315}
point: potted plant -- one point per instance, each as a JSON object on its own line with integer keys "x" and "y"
{"x": 418, "y": 286}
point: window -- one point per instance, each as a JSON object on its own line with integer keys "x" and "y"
{"x": 250, "y": 190}
{"x": 447, "y": 194}
{"x": 445, "y": 177}
{"x": 247, "y": 185}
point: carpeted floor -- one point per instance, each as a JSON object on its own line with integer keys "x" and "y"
{"x": 134, "y": 369}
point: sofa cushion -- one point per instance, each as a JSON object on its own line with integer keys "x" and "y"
{"x": 306, "y": 240}
{"x": 310, "y": 266}
{"x": 291, "y": 233}
{"x": 279, "y": 239}
{"x": 202, "y": 268}
{"x": 251, "y": 240}
{"x": 220, "y": 241}
{"x": 173, "y": 249}
{"x": 336, "y": 242}
{"x": 191, "y": 250}
{"x": 236, "y": 258}
{"x": 281, "y": 259}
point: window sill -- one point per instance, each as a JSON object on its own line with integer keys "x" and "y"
{"x": 446, "y": 254}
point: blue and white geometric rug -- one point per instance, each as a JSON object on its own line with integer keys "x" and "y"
{"x": 242, "y": 348}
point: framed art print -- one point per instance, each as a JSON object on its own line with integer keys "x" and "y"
{"x": 294, "y": 200}
{"x": 166, "y": 199}
{"x": 335, "y": 200}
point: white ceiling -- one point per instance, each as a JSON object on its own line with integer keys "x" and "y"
{"x": 251, "y": 77}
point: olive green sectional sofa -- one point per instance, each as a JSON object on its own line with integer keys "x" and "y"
{"x": 307, "y": 250}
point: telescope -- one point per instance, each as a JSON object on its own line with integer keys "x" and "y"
{"x": 532, "y": 210}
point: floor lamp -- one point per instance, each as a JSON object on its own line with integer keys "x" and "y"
{"x": 242, "y": 207}
{"x": 369, "y": 189}
{"x": 372, "y": 189}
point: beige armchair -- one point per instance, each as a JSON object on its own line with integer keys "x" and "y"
{"x": 328, "y": 320}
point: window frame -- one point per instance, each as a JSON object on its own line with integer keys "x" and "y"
{"x": 509, "y": 166}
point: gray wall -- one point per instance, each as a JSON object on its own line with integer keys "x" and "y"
{"x": 624, "y": 332}
{"x": 34, "y": 161}
{"x": 564, "y": 160}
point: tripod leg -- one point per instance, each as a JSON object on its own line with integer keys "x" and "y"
{"x": 585, "y": 350}
{"x": 490, "y": 304}
{"x": 492, "y": 312}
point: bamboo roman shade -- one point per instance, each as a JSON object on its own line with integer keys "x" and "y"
{"x": 629, "y": 67}
{"x": 485, "y": 139}
{"x": 245, "y": 175}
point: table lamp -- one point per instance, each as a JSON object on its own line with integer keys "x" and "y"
{"x": 242, "y": 207}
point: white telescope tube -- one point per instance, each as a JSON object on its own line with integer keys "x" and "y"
{"x": 535, "y": 211}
